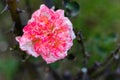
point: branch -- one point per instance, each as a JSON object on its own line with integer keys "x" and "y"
{"x": 5, "y": 9}
{"x": 80, "y": 40}
{"x": 85, "y": 55}
{"x": 107, "y": 62}
{"x": 12, "y": 6}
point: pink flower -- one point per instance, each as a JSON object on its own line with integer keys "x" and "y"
{"x": 48, "y": 34}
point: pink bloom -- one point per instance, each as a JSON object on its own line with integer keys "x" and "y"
{"x": 48, "y": 33}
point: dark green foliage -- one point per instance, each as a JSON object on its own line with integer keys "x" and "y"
{"x": 72, "y": 8}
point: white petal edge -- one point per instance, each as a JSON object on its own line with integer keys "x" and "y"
{"x": 27, "y": 46}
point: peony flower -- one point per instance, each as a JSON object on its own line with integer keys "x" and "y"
{"x": 48, "y": 34}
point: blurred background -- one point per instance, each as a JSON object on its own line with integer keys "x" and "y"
{"x": 97, "y": 20}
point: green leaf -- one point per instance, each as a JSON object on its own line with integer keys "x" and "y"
{"x": 72, "y": 9}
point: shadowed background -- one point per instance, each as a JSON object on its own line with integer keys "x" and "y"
{"x": 99, "y": 22}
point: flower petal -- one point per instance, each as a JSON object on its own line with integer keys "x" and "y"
{"x": 48, "y": 34}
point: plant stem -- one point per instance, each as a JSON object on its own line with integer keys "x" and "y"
{"x": 12, "y": 6}
{"x": 80, "y": 40}
{"x": 106, "y": 63}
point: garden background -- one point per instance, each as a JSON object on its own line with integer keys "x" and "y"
{"x": 96, "y": 23}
